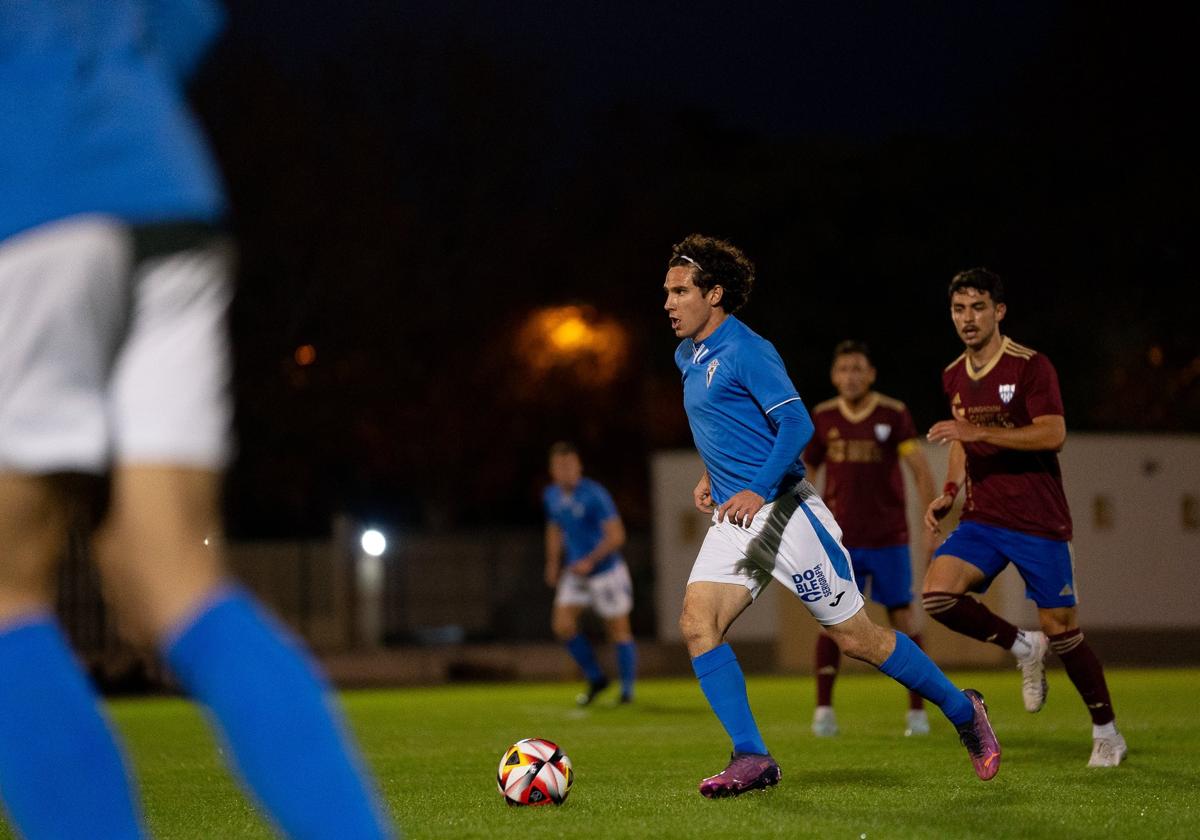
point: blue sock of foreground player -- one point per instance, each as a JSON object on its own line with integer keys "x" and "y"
{"x": 627, "y": 666}
{"x": 60, "y": 770}
{"x": 722, "y": 682}
{"x": 581, "y": 651}
{"x": 909, "y": 666}
{"x": 274, "y": 713}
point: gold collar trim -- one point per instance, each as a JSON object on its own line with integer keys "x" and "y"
{"x": 869, "y": 405}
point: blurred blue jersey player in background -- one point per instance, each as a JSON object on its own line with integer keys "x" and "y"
{"x": 767, "y": 520}
{"x": 582, "y": 523}
{"x": 114, "y": 281}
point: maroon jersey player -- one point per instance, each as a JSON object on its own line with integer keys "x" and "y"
{"x": 861, "y": 436}
{"x": 1007, "y": 429}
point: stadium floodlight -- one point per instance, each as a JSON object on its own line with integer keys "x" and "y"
{"x": 374, "y": 543}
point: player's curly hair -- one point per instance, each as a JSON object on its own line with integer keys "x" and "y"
{"x": 717, "y": 263}
{"x": 981, "y": 280}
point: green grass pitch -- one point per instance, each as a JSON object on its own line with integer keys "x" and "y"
{"x": 435, "y": 751}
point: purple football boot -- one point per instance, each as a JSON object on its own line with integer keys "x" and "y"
{"x": 979, "y": 739}
{"x": 746, "y": 772}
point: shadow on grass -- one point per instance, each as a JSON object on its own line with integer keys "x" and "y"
{"x": 1050, "y": 748}
{"x": 838, "y": 777}
{"x": 651, "y": 708}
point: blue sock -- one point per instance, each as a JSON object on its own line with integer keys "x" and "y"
{"x": 60, "y": 769}
{"x": 627, "y": 665}
{"x": 278, "y": 720}
{"x": 722, "y": 682}
{"x": 909, "y": 666}
{"x": 581, "y": 651}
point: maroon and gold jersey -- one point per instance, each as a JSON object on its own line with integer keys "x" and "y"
{"x": 861, "y": 452}
{"x": 1006, "y": 487}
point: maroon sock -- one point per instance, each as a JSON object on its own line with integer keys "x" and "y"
{"x": 828, "y": 657}
{"x": 916, "y": 703}
{"x": 963, "y": 614}
{"x": 1085, "y": 672}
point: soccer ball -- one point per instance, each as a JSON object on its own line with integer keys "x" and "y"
{"x": 535, "y": 772}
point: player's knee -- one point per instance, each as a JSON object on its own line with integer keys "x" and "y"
{"x": 863, "y": 639}
{"x": 619, "y": 630}
{"x": 563, "y": 628}
{"x": 33, "y": 529}
{"x": 26, "y": 587}
{"x": 1056, "y": 621}
{"x": 699, "y": 631}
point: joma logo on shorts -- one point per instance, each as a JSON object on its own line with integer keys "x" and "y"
{"x": 811, "y": 585}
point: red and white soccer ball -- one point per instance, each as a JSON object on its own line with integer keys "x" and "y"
{"x": 535, "y": 772}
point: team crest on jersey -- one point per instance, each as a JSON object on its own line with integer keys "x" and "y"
{"x": 882, "y": 431}
{"x": 712, "y": 369}
{"x": 1006, "y": 393}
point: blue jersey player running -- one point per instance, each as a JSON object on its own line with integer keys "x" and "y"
{"x": 767, "y": 521}
{"x": 583, "y": 525}
{"x": 114, "y": 279}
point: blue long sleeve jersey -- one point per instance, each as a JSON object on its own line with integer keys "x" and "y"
{"x": 747, "y": 419}
{"x": 92, "y": 111}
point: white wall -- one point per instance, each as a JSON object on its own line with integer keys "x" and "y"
{"x": 1142, "y": 568}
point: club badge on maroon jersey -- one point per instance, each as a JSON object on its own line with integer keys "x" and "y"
{"x": 1007, "y": 392}
{"x": 708, "y": 374}
{"x": 882, "y": 431}
{"x": 956, "y": 407}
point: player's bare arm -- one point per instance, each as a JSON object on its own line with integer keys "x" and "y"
{"x": 956, "y": 474}
{"x": 702, "y": 495}
{"x": 742, "y": 508}
{"x": 613, "y": 539}
{"x": 1045, "y": 433}
{"x": 553, "y": 543}
{"x": 918, "y": 465}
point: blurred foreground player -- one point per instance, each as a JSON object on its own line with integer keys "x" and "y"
{"x": 860, "y": 439}
{"x": 114, "y": 282}
{"x": 582, "y": 523}
{"x": 1007, "y": 429}
{"x": 767, "y": 520}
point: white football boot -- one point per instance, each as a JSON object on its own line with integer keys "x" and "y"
{"x": 1108, "y": 751}
{"x": 824, "y": 723}
{"x": 916, "y": 722}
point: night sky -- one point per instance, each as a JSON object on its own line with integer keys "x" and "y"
{"x": 412, "y": 182}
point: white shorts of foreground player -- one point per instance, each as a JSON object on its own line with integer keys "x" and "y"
{"x": 70, "y": 298}
{"x": 793, "y": 539}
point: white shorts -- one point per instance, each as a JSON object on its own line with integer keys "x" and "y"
{"x": 793, "y": 539}
{"x": 104, "y": 359}
{"x": 609, "y": 593}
